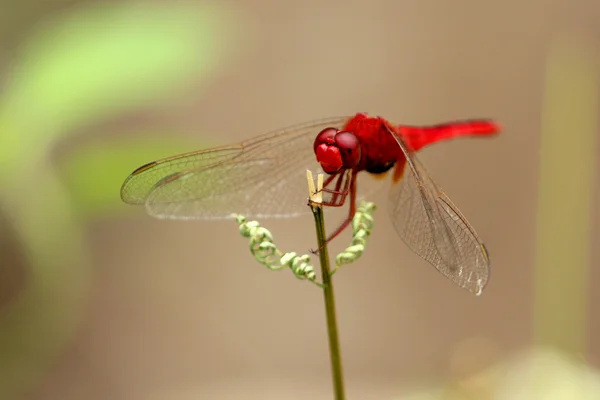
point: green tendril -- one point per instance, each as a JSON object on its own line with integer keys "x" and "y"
{"x": 265, "y": 252}
{"x": 362, "y": 225}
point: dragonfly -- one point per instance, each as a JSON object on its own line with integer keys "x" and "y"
{"x": 265, "y": 176}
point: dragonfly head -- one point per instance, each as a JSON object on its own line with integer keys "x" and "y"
{"x": 336, "y": 150}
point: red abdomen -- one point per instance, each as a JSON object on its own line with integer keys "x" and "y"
{"x": 418, "y": 137}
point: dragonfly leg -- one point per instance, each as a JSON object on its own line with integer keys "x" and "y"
{"x": 336, "y": 192}
{"x": 339, "y": 194}
{"x": 351, "y": 213}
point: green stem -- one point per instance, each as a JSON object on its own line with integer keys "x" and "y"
{"x": 334, "y": 342}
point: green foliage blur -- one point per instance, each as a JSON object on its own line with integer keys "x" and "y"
{"x": 75, "y": 70}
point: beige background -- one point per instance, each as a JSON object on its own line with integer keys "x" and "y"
{"x": 181, "y": 311}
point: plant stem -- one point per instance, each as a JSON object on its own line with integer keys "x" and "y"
{"x": 334, "y": 343}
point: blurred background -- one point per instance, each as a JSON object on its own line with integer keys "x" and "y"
{"x": 100, "y": 301}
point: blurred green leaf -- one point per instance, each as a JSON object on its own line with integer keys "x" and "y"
{"x": 93, "y": 175}
{"x": 109, "y": 57}
{"x": 76, "y": 70}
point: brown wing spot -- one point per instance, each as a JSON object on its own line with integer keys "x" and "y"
{"x": 170, "y": 178}
{"x": 143, "y": 168}
{"x": 485, "y": 253}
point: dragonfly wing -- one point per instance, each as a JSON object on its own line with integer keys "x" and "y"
{"x": 138, "y": 185}
{"x": 433, "y": 227}
{"x": 246, "y": 186}
{"x": 261, "y": 177}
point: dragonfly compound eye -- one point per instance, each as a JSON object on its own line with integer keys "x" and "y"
{"x": 336, "y": 150}
{"x": 328, "y": 155}
{"x": 325, "y": 137}
{"x": 349, "y": 149}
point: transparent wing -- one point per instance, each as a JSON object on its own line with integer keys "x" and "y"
{"x": 433, "y": 227}
{"x": 260, "y": 177}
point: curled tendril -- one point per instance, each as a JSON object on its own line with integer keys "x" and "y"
{"x": 300, "y": 266}
{"x": 265, "y": 252}
{"x": 362, "y": 225}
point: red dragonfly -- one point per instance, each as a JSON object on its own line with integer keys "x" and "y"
{"x": 266, "y": 177}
